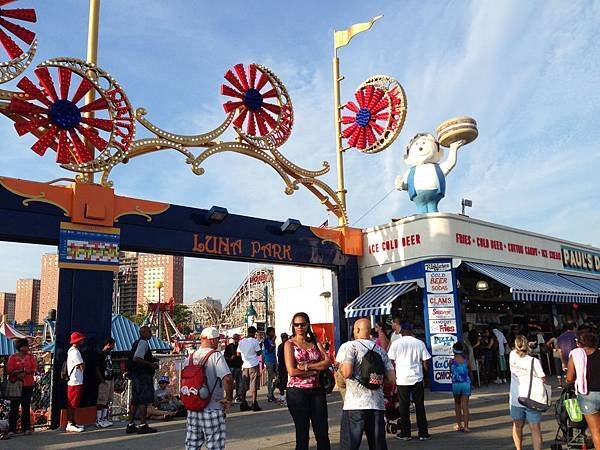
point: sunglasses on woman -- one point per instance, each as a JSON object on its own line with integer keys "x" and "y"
{"x": 300, "y": 325}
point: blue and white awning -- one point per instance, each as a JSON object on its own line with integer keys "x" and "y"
{"x": 536, "y": 286}
{"x": 591, "y": 284}
{"x": 377, "y": 300}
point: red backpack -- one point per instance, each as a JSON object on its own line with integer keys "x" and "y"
{"x": 194, "y": 393}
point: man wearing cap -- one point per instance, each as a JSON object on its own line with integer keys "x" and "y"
{"x": 207, "y": 427}
{"x": 410, "y": 357}
{"x": 164, "y": 399}
{"x": 75, "y": 368}
{"x": 235, "y": 364}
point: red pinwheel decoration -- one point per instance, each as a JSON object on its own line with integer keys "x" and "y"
{"x": 379, "y": 116}
{"x": 25, "y": 35}
{"x": 253, "y": 88}
{"x": 364, "y": 129}
{"x": 56, "y": 119}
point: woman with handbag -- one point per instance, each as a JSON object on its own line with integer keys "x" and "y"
{"x": 584, "y": 370}
{"x": 524, "y": 370}
{"x": 305, "y": 358}
{"x": 21, "y": 367}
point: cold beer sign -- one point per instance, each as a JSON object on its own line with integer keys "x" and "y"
{"x": 442, "y": 318}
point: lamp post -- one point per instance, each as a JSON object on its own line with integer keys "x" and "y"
{"x": 158, "y": 284}
{"x": 250, "y": 314}
{"x": 465, "y": 203}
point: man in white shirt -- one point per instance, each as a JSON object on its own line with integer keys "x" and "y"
{"x": 75, "y": 368}
{"x": 410, "y": 357}
{"x": 363, "y": 408}
{"x": 249, "y": 349}
{"x": 396, "y": 329}
{"x": 207, "y": 427}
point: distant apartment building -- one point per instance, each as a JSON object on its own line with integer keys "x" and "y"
{"x": 7, "y": 306}
{"x": 48, "y": 286}
{"x": 27, "y": 301}
{"x": 153, "y": 268}
{"x": 126, "y": 285}
{"x": 206, "y": 311}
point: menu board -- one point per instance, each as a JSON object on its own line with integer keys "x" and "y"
{"x": 442, "y": 318}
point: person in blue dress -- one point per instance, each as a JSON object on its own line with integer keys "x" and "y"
{"x": 461, "y": 387}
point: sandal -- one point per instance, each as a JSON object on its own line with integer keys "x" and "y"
{"x": 466, "y": 430}
{"x": 458, "y": 427}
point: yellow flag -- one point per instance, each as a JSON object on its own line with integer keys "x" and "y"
{"x": 342, "y": 38}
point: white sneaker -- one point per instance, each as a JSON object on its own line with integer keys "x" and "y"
{"x": 107, "y": 423}
{"x": 497, "y": 381}
{"x": 99, "y": 424}
{"x": 74, "y": 428}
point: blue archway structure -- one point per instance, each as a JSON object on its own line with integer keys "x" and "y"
{"x": 36, "y": 213}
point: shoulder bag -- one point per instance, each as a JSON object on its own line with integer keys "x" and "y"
{"x": 326, "y": 377}
{"x": 537, "y": 404}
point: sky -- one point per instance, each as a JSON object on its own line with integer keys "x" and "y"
{"x": 526, "y": 71}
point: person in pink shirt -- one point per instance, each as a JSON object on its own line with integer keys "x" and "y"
{"x": 21, "y": 367}
{"x": 305, "y": 357}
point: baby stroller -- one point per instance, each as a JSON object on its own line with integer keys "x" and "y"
{"x": 392, "y": 408}
{"x": 570, "y": 434}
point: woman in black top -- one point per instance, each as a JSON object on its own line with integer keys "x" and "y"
{"x": 588, "y": 402}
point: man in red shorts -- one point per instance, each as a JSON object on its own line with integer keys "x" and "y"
{"x": 75, "y": 367}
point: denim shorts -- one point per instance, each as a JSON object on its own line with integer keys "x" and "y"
{"x": 461, "y": 388}
{"x": 522, "y": 413}
{"x": 590, "y": 403}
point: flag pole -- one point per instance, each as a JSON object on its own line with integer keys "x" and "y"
{"x": 92, "y": 57}
{"x": 341, "y": 39}
{"x": 341, "y": 191}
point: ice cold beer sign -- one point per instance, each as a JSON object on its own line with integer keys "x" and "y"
{"x": 442, "y": 323}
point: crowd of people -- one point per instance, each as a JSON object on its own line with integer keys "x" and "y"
{"x": 379, "y": 370}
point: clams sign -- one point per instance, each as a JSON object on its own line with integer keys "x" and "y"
{"x": 442, "y": 319}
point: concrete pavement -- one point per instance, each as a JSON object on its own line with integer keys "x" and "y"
{"x": 273, "y": 429}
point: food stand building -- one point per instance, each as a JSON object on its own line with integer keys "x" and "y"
{"x": 441, "y": 270}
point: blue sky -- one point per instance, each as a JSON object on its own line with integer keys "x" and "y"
{"x": 527, "y": 71}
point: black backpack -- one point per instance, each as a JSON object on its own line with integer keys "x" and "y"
{"x": 64, "y": 375}
{"x": 371, "y": 369}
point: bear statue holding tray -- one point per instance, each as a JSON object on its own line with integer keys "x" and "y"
{"x": 425, "y": 179}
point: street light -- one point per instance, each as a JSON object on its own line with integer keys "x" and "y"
{"x": 250, "y": 314}
{"x": 465, "y": 203}
{"x": 158, "y": 284}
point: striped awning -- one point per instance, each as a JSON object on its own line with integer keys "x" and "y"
{"x": 536, "y": 286}
{"x": 7, "y": 347}
{"x": 377, "y": 300}
{"x": 591, "y": 284}
{"x": 125, "y": 333}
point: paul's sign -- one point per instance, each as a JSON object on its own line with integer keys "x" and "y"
{"x": 580, "y": 260}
